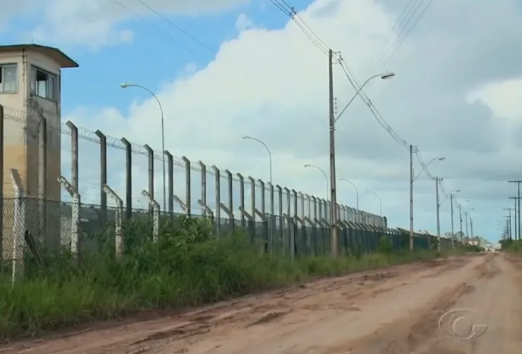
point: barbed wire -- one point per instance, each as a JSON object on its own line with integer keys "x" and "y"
{"x": 139, "y": 149}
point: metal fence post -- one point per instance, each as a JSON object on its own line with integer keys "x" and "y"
{"x": 280, "y": 216}
{"x": 170, "y": 177}
{"x": 230, "y": 205}
{"x": 253, "y": 199}
{"x": 155, "y": 214}
{"x": 217, "y": 193}
{"x": 188, "y": 194}
{"x": 118, "y": 222}
{"x": 19, "y": 227}
{"x": 262, "y": 189}
{"x": 74, "y": 154}
{"x": 103, "y": 176}
{"x": 150, "y": 157}
{"x": 271, "y": 218}
{"x": 75, "y": 217}
{"x": 242, "y": 199}
{"x": 128, "y": 178}
{"x": 203, "y": 169}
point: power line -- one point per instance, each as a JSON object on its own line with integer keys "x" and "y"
{"x": 153, "y": 26}
{"x": 321, "y": 45}
{"x": 186, "y": 33}
{"x": 401, "y": 31}
{"x": 318, "y": 42}
{"x": 408, "y": 32}
{"x": 389, "y": 39}
{"x": 288, "y": 10}
{"x": 382, "y": 122}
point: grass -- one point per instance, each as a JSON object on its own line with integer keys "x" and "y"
{"x": 512, "y": 246}
{"x": 186, "y": 267}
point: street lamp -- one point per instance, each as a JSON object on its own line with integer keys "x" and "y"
{"x": 325, "y": 176}
{"x": 380, "y": 201}
{"x": 383, "y": 76}
{"x": 126, "y": 85}
{"x": 356, "y": 196}
{"x": 426, "y": 166}
{"x": 332, "y": 120}
{"x": 246, "y": 137}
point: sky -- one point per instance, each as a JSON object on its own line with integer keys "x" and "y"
{"x": 227, "y": 68}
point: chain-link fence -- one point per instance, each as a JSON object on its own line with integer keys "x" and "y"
{"x": 64, "y": 184}
{"x": 44, "y": 227}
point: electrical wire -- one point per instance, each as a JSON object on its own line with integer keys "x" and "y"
{"x": 190, "y": 36}
{"x": 389, "y": 39}
{"x": 289, "y": 11}
{"x": 153, "y": 26}
{"x": 321, "y": 45}
{"x": 375, "y": 112}
{"x": 414, "y": 10}
{"x": 401, "y": 41}
{"x": 186, "y": 33}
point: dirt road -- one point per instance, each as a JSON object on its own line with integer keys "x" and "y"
{"x": 390, "y": 311}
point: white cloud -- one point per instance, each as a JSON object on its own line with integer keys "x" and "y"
{"x": 243, "y": 23}
{"x": 98, "y": 23}
{"x": 273, "y": 84}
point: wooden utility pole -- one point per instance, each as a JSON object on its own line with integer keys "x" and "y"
{"x": 510, "y": 228}
{"x": 518, "y": 182}
{"x": 515, "y": 217}
{"x": 411, "y": 197}
{"x": 333, "y": 190}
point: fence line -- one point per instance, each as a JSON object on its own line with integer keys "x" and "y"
{"x": 284, "y": 220}
{"x": 193, "y": 188}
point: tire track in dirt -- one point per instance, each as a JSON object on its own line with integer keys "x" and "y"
{"x": 287, "y": 307}
{"x": 419, "y": 333}
{"x": 404, "y": 336}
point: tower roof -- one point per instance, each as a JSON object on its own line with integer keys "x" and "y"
{"x": 54, "y": 53}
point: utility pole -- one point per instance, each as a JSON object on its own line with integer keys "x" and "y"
{"x": 460, "y": 217}
{"x": 471, "y": 226}
{"x": 437, "y": 179}
{"x": 411, "y": 197}
{"x": 515, "y": 216}
{"x": 333, "y": 179}
{"x": 466, "y": 216}
{"x": 506, "y": 234}
{"x": 452, "y": 226}
{"x": 518, "y": 182}
{"x": 509, "y": 222}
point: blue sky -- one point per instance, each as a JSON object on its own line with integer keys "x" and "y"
{"x": 158, "y": 53}
{"x": 452, "y": 95}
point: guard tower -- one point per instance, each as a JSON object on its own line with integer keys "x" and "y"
{"x": 30, "y": 91}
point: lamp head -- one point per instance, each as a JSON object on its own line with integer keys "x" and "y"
{"x": 442, "y": 158}
{"x": 387, "y": 76}
{"x": 457, "y": 191}
{"x": 245, "y": 137}
{"x": 307, "y": 165}
{"x": 124, "y": 85}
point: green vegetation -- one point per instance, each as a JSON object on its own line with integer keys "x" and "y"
{"x": 186, "y": 267}
{"x": 511, "y": 245}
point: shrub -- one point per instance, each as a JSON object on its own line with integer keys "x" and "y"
{"x": 185, "y": 267}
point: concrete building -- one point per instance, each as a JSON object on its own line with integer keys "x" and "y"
{"x": 30, "y": 89}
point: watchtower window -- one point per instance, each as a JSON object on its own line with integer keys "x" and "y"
{"x": 43, "y": 84}
{"x": 8, "y": 78}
